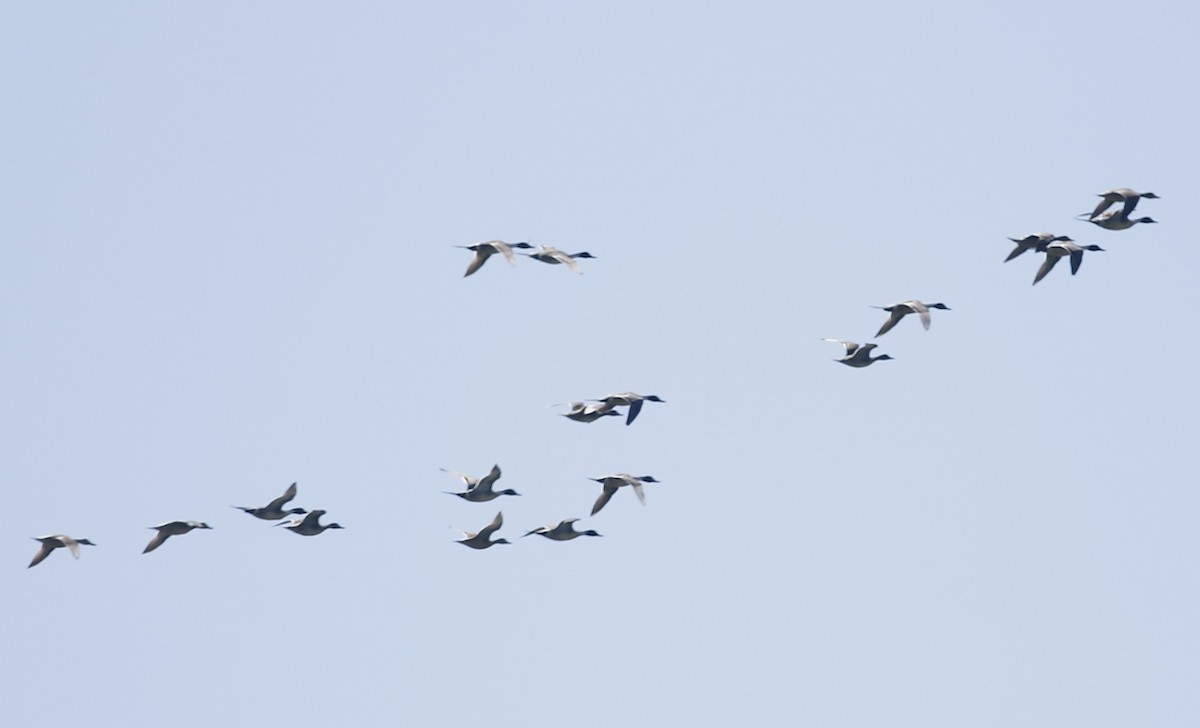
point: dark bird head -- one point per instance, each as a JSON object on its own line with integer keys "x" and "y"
{"x": 508, "y": 491}
{"x": 942, "y": 306}
{"x": 501, "y": 540}
{"x": 335, "y": 525}
{"x": 85, "y": 542}
{"x": 204, "y": 525}
{"x": 1146, "y": 219}
{"x": 522, "y": 246}
{"x": 649, "y": 479}
{"x": 584, "y": 254}
{"x": 1093, "y": 248}
{"x": 653, "y": 398}
{"x": 1150, "y": 195}
{"x": 882, "y": 357}
{"x": 590, "y": 533}
{"x": 297, "y": 511}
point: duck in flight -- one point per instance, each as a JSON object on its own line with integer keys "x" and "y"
{"x": 479, "y": 540}
{"x": 483, "y": 251}
{"x": 857, "y": 355}
{"x": 273, "y": 511}
{"x": 169, "y": 529}
{"x": 564, "y": 531}
{"x": 902, "y": 309}
{"x": 480, "y": 490}
{"x": 57, "y": 541}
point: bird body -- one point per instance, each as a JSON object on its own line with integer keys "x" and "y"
{"x": 309, "y": 525}
{"x": 564, "y": 531}
{"x": 1118, "y": 220}
{"x": 857, "y": 355}
{"x": 169, "y": 529}
{"x": 554, "y": 256}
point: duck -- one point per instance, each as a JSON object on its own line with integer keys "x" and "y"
{"x": 612, "y": 483}
{"x": 1120, "y": 194}
{"x": 1118, "y": 220}
{"x": 632, "y": 399}
{"x": 169, "y": 529}
{"x": 58, "y": 540}
{"x": 858, "y": 356}
{"x": 902, "y": 309}
{"x": 1035, "y": 242}
{"x": 308, "y": 526}
{"x": 582, "y": 412}
{"x": 1056, "y": 251}
{"x": 480, "y": 540}
{"x": 479, "y": 490}
{"x": 273, "y": 511}
{"x": 554, "y": 256}
{"x": 483, "y": 251}
{"x": 564, "y": 531}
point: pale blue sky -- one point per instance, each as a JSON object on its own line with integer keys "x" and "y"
{"x": 228, "y": 264}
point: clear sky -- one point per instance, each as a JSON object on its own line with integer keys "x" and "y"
{"x": 227, "y": 263}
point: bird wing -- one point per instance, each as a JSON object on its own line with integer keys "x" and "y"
{"x": 156, "y": 541}
{"x": 487, "y": 481}
{"x": 634, "y": 407}
{"x": 1076, "y": 261}
{"x": 477, "y": 262}
{"x": 603, "y": 499}
{"x": 897, "y": 313}
{"x": 492, "y": 527}
{"x": 288, "y": 495}
{"x": 41, "y": 555}
{"x": 1051, "y": 260}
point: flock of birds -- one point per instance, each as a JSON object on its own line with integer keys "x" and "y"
{"x": 482, "y": 490}
{"x": 1056, "y": 247}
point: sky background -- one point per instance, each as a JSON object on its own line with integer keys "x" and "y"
{"x": 227, "y": 263}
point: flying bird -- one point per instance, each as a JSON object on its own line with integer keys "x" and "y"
{"x": 479, "y": 540}
{"x": 1057, "y": 251}
{"x": 479, "y": 490}
{"x": 554, "y": 256}
{"x": 1120, "y": 194}
{"x": 858, "y": 356}
{"x": 1037, "y": 241}
{"x": 582, "y": 412}
{"x": 902, "y": 309}
{"x": 273, "y": 511}
{"x": 169, "y": 529}
{"x": 612, "y": 483}
{"x": 564, "y": 531}
{"x": 483, "y": 251}
{"x": 49, "y": 543}
{"x": 309, "y": 525}
{"x": 632, "y": 399}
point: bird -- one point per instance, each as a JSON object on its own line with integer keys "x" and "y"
{"x": 308, "y": 525}
{"x": 633, "y": 399}
{"x": 582, "y": 412}
{"x": 483, "y": 251}
{"x": 58, "y": 540}
{"x": 273, "y": 511}
{"x": 1120, "y": 194}
{"x": 1118, "y": 220}
{"x": 1056, "y": 251}
{"x": 169, "y": 529}
{"x": 480, "y": 540}
{"x": 612, "y": 483}
{"x": 564, "y": 531}
{"x": 902, "y": 309}
{"x": 858, "y": 356}
{"x": 1034, "y": 242}
{"x": 554, "y": 256}
{"x": 479, "y": 490}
